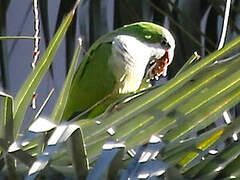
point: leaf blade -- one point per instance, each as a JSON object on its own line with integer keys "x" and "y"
{"x": 24, "y": 95}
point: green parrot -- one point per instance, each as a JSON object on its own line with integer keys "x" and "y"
{"x": 119, "y": 63}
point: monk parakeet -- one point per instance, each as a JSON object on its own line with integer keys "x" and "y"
{"x": 118, "y": 63}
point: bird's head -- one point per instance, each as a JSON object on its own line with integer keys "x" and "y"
{"x": 145, "y": 50}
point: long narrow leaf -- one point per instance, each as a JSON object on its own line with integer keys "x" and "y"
{"x": 79, "y": 154}
{"x": 24, "y": 95}
{"x": 213, "y": 168}
{"x": 217, "y": 137}
{"x": 6, "y": 123}
{"x": 7, "y": 127}
{"x": 105, "y": 167}
{"x": 62, "y": 99}
{"x": 15, "y": 37}
{"x": 43, "y": 5}
{"x": 3, "y": 49}
{"x": 231, "y": 170}
{"x": 64, "y": 8}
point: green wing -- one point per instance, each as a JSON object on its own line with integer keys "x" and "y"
{"x": 92, "y": 82}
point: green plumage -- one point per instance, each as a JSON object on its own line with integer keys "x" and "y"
{"x": 92, "y": 83}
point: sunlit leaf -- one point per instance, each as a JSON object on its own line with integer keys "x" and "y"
{"x": 62, "y": 99}
{"x": 24, "y": 95}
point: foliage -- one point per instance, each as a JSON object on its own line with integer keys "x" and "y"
{"x": 170, "y": 131}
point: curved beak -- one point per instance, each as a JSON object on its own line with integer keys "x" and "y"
{"x": 157, "y": 68}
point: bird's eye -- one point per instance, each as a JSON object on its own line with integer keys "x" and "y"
{"x": 165, "y": 44}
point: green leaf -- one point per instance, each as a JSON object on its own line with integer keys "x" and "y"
{"x": 24, "y": 95}
{"x": 3, "y": 48}
{"x": 6, "y": 125}
{"x": 64, "y": 8}
{"x": 126, "y": 12}
{"x": 231, "y": 170}
{"x": 56, "y": 141}
{"x": 62, "y": 99}
{"x": 20, "y": 155}
{"x": 173, "y": 174}
{"x": 43, "y": 5}
{"x": 79, "y": 154}
{"x": 107, "y": 163}
{"x": 191, "y": 61}
{"x": 204, "y": 116}
{"x": 70, "y": 42}
{"x": 217, "y": 137}
{"x": 214, "y": 167}
{"x": 15, "y": 37}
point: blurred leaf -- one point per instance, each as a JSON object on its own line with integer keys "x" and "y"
{"x": 228, "y": 130}
{"x": 231, "y": 170}
{"x": 3, "y": 49}
{"x": 202, "y": 146}
{"x": 164, "y": 6}
{"x": 70, "y": 42}
{"x": 64, "y": 8}
{"x": 79, "y": 154}
{"x": 84, "y": 23}
{"x": 234, "y": 14}
{"x": 205, "y": 116}
{"x": 6, "y": 125}
{"x": 15, "y": 37}
{"x": 220, "y": 11}
{"x": 213, "y": 168}
{"x": 173, "y": 174}
{"x": 56, "y": 141}
{"x": 100, "y": 13}
{"x": 192, "y": 60}
{"x": 37, "y": 128}
{"x": 184, "y": 16}
{"x": 43, "y": 5}
{"x": 192, "y": 9}
{"x": 144, "y": 164}
{"x": 24, "y": 95}
{"x": 108, "y": 163}
{"x": 127, "y": 12}
{"x": 20, "y": 155}
{"x": 212, "y": 28}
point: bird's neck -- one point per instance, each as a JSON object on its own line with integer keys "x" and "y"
{"x": 129, "y": 60}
